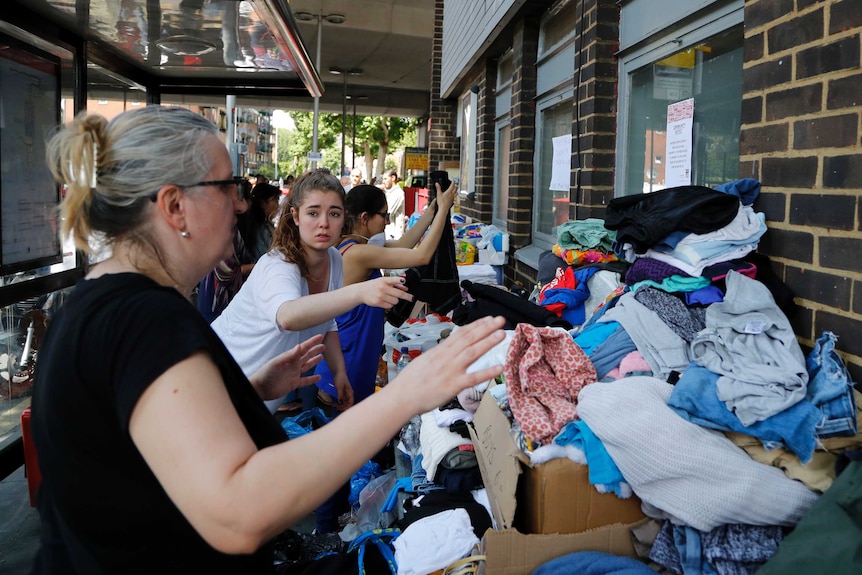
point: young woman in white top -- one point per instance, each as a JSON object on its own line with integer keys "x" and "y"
{"x": 295, "y": 290}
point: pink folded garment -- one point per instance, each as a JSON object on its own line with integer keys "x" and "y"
{"x": 545, "y": 370}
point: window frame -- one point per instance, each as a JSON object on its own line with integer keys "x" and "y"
{"x": 501, "y": 164}
{"x": 467, "y": 145}
{"x": 501, "y": 156}
{"x": 542, "y": 239}
{"x": 666, "y": 43}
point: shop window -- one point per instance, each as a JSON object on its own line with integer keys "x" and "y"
{"x": 703, "y": 61}
{"x": 502, "y": 140}
{"x": 551, "y": 205}
{"x": 467, "y": 131}
{"x": 501, "y": 174}
{"x": 554, "y": 115}
{"x": 558, "y": 26}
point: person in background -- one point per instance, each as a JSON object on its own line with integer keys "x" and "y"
{"x": 360, "y": 330}
{"x": 395, "y": 201}
{"x": 256, "y": 225}
{"x": 222, "y": 283}
{"x": 285, "y": 190}
{"x": 355, "y": 177}
{"x": 156, "y": 453}
{"x": 345, "y": 183}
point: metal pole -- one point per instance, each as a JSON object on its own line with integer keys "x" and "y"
{"x": 343, "y": 121}
{"x": 353, "y": 144}
{"x": 316, "y": 100}
{"x": 230, "y": 135}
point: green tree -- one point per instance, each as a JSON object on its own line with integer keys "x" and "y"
{"x": 300, "y": 140}
{"x": 374, "y": 136}
{"x": 379, "y": 135}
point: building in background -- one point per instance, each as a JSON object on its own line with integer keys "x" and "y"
{"x": 775, "y": 85}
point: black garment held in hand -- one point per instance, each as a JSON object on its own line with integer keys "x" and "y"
{"x": 436, "y": 284}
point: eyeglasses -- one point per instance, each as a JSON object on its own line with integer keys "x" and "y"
{"x": 384, "y": 214}
{"x": 243, "y": 186}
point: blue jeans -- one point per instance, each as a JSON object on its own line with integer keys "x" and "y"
{"x": 830, "y": 389}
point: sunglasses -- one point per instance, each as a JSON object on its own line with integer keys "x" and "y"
{"x": 384, "y": 214}
{"x": 243, "y": 186}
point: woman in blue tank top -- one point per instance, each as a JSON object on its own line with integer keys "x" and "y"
{"x": 361, "y": 329}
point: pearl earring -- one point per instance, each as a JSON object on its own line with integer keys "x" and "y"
{"x": 184, "y": 234}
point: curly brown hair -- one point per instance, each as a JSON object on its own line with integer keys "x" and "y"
{"x": 286, "y": 238}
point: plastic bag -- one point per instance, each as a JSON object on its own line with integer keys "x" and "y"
{"x": 371, "y": 500}
{"x": 360, "y": 479}
{"x": 304, "y": 422}
{"x": 417, "y": 337}
{"x": 465, "y": 254}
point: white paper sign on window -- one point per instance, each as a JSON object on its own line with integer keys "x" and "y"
{"x": 678, "y": 147}
{"x": 561, "y": 168}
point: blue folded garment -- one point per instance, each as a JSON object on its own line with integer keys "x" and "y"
{"x": 593, "y": 563}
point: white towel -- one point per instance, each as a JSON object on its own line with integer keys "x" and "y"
{"x": 693, "y": 474}
{"x": 431, "y": 543}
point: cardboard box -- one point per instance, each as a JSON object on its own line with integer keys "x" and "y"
{"x": 510, "y": 552}
{"x": 555, "y": 497}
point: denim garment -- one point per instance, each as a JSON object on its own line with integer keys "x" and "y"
{"x": 746, "y": 189}
{"x": 419, "y": 477}
{"x": 695, "y": 399}
{"x": 608, "y": 354}
{"x": 593, "y": 563}
{"x": 830, "y": 389}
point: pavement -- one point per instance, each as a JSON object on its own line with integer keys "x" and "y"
{"x": 19, "y": 526}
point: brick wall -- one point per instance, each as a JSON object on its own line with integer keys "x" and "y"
{"x": 443, "y": 145}
{"x": 480, "y": 205}
{"x": 525, "y": 45}
{"x": 594, "y": 123}
{"x": 802, "y": 85}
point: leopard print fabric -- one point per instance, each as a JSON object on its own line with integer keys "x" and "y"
{"x": 545, "y": 370}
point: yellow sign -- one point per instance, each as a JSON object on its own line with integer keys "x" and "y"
{"x": 416, "y": 158}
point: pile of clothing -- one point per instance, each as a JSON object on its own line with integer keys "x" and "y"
{"x": 697, "y": 396}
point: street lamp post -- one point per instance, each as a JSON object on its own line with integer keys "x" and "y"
{"x": 344, "y": 73}
{"x": 353, "y": 144}
{"x": 332, "y": 19}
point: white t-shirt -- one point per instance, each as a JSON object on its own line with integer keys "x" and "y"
{"x": 248, "y": 325}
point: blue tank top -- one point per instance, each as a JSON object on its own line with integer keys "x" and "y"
{"x": 361, "y": 333}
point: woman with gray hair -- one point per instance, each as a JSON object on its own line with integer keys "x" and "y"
{"x": 156, "y": 452}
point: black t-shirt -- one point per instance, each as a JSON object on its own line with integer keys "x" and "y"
{"x": 102, "y": 509}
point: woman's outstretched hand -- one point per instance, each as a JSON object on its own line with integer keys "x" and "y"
{"x": 436, "y": 376}
{"x": 384, "y": 292}
{"x": 283, "y": 373}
